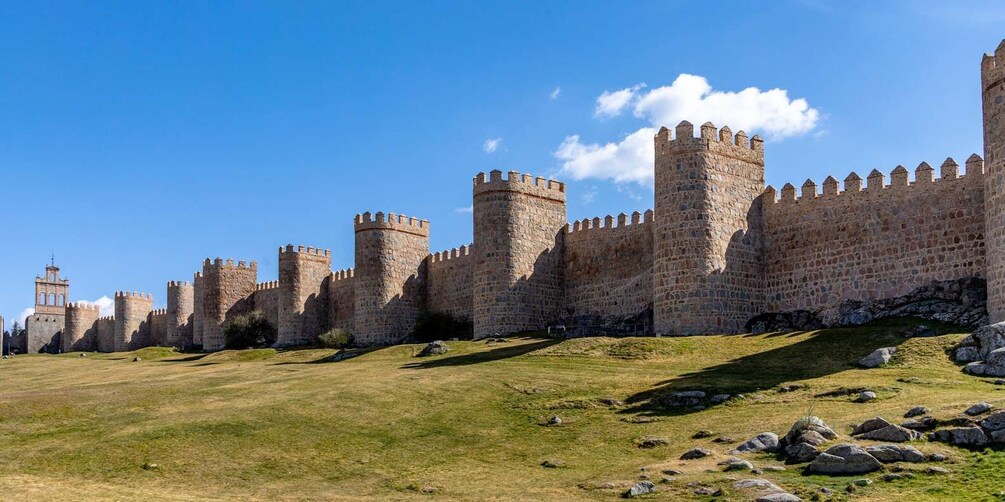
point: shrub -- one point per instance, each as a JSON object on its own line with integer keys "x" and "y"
{"x": 432, "y": 326}
{"x": 335, "y": 338}
{"x": 248, "y": 331}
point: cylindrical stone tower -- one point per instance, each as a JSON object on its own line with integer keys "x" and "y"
{"x": 390, "y": 277}
{"x": 993, "y": 87}
{"x": 180, "y": 304}
{"x": 706, "y": 258}
{"x": 80, "y": 331}
{"x": 518, "y": 264}
{"x": 131, "y": 311}
{"x": 303, "y": 302}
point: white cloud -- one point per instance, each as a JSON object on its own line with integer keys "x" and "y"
{"x": 491, "y": 145}
{"x": 469, "y": 209}
{"x": 556, "y": 93}
{"x": 106, "y": 304}
{"x": 770, "y": 113}
{"x": 20, "y": 318}
{"x": 589, "y": 195}
{"x": 610, "y": 103}
{"x": 629, "y": 160}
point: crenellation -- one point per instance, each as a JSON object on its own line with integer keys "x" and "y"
{"x": 949, "y": 169}
{"x": 522, "y": 183}
{"x": 899, "y": 177}
{"x": 809, "y": 190}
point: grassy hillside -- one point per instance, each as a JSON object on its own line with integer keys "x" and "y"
{"x": 465, "y": 425}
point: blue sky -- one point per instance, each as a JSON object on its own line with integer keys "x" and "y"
{"x": 138, "y": 138}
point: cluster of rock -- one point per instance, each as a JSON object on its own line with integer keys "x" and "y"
{"x": 962, "y": 302}
{"x": 694, "y": 399}
{"x": 983, "y": 351}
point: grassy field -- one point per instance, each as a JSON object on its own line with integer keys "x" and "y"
{"x": 467, "y": 425}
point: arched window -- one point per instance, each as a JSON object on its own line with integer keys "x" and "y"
{"x": 41, "y": 298}
{"x": 52, "y": 299}
{"x": 61, "y": 300}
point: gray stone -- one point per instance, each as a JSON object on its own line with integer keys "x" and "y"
{"x": 892, "y": 433}
{"x": 921, "y": 424}
{"x": 878, "y": 357}
{"x": 683, "y": 399}
{"x": 555, "y": 420}
{"x": 765, "y": 441}
{"x": 936, "y": 470}
{"x": 919, "y": 331}
{"x": 966, "y": 354}
{"x": 434, "y": 349}
{"x": 961, "y": 436}
{"x": 937, "y": 457}
{"x": 994, "y": 421}
{"x": 897, "y": 475}
{"x": 695, "y": 453}
{"x": 756, "y": 484}
{"x": 993, "y": 365}
{"x": 863, "y": 482}
{"x": 773, "y": 468}
{"x": 978, "y": 408}
{"x": 736, "y": 464}
{"x": 866, "y": 396}
{"x": 779, "y": 497}
{"x": 917, "y": 411}
{"x": 653, "y": 442}
{"x": 873, "y": 424}
{"x": 801, "y": 452}
{"x": 136, "y": 359}
{"x": 671, "y": 472}
{"x": 844, "y": 459}
{"x": 887, "y": 453}
{"x": 702, "y": 434}
{"x": 808, "y": 424}
{"x": 719, "y": 398}
{"x": 641, "y": 488}
{"x": 811, "y": 437}
{"x": 998, "y": 436}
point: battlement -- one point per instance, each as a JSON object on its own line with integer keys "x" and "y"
{"x": 158, "y": 312}
{"x": 180, "y": 284}
{"x": 81, "y": 306}
{"x": 721, "y": 141}
{"x": 341, "y": 275}
{"x": 609, "y": 222}
{"x": 229, "y": 263}
{"x": 262, "y": 286}
{"x": 109, "y": 318}
{"x": 304, "y": 250}
{"x": 993, "y": 67}
{"x": 127, "y": 294}
{"x": 399, "y": 222}
{"x": 450, "y": 254}
{"x": 924, "y": 176}
{"x": 521, "y": 183}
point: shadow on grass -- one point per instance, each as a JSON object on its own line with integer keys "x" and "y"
{"x": 821, "y": 353}
{"x": 341, "y": 355}
{"x": 504, "y": 352}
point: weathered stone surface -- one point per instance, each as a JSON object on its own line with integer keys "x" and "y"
{"x": 994, "y": 421}
{"x": 653, "y": 442}
{"x": 756, "y": 484}
{"x": 434, "y": 349}
{"x": 801, "y": 453}
{"x": 683, "y": 399}
{"x": 919, "y": 331}
{"x": 888, "y": 453}
{"x": 892, "y": 433}
{"x": 866, "y": 396}
{"x": 961, "y": 436}
{"x": 878, "y": 357}
{"x": 978, "y": 409}
{"x": 808, "y": 424}
{"x": 765, "y": 441}
{"x": 870, "y": 425}
{"x": 736, "y": 464}
{"x": 695, "y": 453}
{"x": 844, "y": 459}
{"x": 917, "y": 411}
{"x": 779, "y": 497}
{"x": 921, "y": 424}
{"x": 966, "y": 354}
{"x": 641, "y": 488}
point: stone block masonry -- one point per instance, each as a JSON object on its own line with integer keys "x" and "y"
{"x": 132, "y": 327}
{"x": 180, "y": 306}
{"x": 227, "y": 293}
{"x": 993, "y": 93}
{"x": 81, "y": 330}
{"x": 449, "y": 276}
{"x": 303, "y": 297}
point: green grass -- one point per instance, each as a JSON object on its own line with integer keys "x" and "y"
{"x": 267, "y": 424}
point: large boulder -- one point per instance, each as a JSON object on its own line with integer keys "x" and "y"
{"x": 434, "y": 349}
{"x": 985, "y": 339}
{"x": 892, "y": 433}
{"x": 808, "y": 424}
{"x": 878, "y": 357}
{"x": 870, "y": 425}
{"x": 978, "y": 409}
{"x": 917, "y": 411}
{"x": 961, "y": 436}
{"x": 966, "y": 354}
{"x": 888, "y": 453}
{"x": 640, "y": 488}
{"x": 765, "y": 441}
{"x": 801, "y": 453}
{"x": 994, "y": 421}
{"x": 844, "y": 459}
{"x": 683, "y": 399}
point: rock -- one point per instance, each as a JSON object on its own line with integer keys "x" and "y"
{"x": 790, "y": 388}
{"x": 863, "y": 482}
{"x": 812, "y": 438}
{"x": 653, "y": 442}
{"x": 873, "y": 424}
{"x": 998, "y": 436}
{"x": 702, "y": 434}
{"x": 82, "y": 355}
{"x": 724, "y": 440}
{"x": 136, "y": 359}
{"x": 896, "y": 476}
{"x": 773, "y": 468}
{"x": 719, "y": 398}
{"x": 936, "y": 470}
{"x": 765, "y": 441}
{"x": 921, "y": 424}
{"x": 684, "y": 399}
{"x": 996, "y": 382}
{"x": 434, "y": 348}
{"x": 779, "y": 497}
{"x": 695, "y": 453}
{"x": 978, "y": 408}
{"x": 986, "y": 339}
{"x": 736, "y": 464}
{"x": 966, "y": 354}
{"x": 641, "y": 488}
{"x": 808, "y": 424}
{"x": 960, "y": 436}
{"x": 917, "y": 411}
{"x": 937, "y": 457}
{"x": 552, "y": 464}
{"x": 866, "y": 396}
{"x": 801, "y": 453}
{"x": 888, "y": 453}
{"x": 429, "y": 489}
{"x": 708, "y": 491}
{"x": 878, "y": 357}
{"x": 844, "y": 459}
{"x": 671, "y": 472}
{"x": 919, "y": 331}
{"x": 756, "y": 484}
{"x": 555, "y": 420}
{"x": 993, "y": 365}
{"x": 892, "y": 433}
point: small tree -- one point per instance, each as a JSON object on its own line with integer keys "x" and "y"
{"x": 249, "y": 330}
{"x": 335, "y": 338}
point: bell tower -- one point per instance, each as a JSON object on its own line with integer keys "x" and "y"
{"x": 51, "y": 292}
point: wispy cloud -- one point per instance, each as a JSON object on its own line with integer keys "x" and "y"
{"x": 610, "y": 103}
{"x": 556, "y": 93}
{"x": 469, "y": 209}
{"x": 491, "y": 145}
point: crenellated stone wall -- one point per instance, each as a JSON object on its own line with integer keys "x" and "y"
{"x": 266, "y": 300}
{"x": 303, "y": 299}
{"x": 81, "y": 330}
{"x": 449, "y": 282}
{"x": 341, "y": 300}
{"x": 132, "y": 328}
{"x": 227, "y": 293}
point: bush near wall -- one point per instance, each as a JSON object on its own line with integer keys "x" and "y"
{"x": 335, "y": 338}
{"x": 249, "y": 330}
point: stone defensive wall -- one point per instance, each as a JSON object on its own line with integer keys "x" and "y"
{"x": 303, "y": 298}
{"x": 873, "y": 242}
{"x": 449, "y": 282}
{"x": 132, "y": 326}
{"x": 517, "y": 252}
{"x": 198, "y": 310}
{"x": 266, "y": 300}
{"x": 226, "y": 290}
{"x": 81, "y": 327}
{"x": 180, "y": 306}
{"x": 608, "y": 274}
{"x": 993, "y": 99}
{"x": 341, "y": 300}
{"x": 157, "y": 334}
{"x": 42, "y": 333}
{"x": 105, "y": 339}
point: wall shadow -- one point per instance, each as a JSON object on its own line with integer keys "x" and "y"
{"x": 486, "y": 356}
